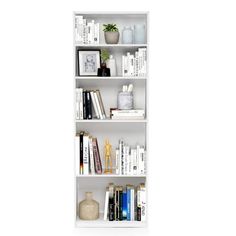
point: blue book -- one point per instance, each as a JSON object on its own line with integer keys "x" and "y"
{"x": 124, "y": 205}
{"x": 128, "y": 204}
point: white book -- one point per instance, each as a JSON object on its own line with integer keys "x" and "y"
{"x": 86, "y": 154}
{"x": 143, "y": 203}
{"x": 96, "y": 33}
{"x": 92, "y": 32}
{"x": 106, "y": 204}
{"x": 117, "y": 161}
{"x": 77, "y": 104}
{"x": 94, "y": 104}
{"x": 141, "y": 161}
{"x": 123, "y": 65}
{"x": 131, "y": 162}
{"x": 81, "y": 111}
{"x": 84, "y": 31}
{"x": 89, "y": 25}
{"x": 121, "y": 160}
{"x": 98, "y": 106}
{"x": 138, "y": 164}
{"x": 127, "y": 117}
{"x": 79, "y": 29}
{"x": 128, "y": 63}
{"x": 125, "y": 160}
{"x": 129, "y": 112}
{"x": 135, "y": 162}
{"x": 131, "y": 65}
{"x": 77, "y": 155}
{"x": 91, "y": 157}
{"x": 132, "y": 204}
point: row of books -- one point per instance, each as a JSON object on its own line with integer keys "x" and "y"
{"x": 88, "y": 104}
{"x": 86, "y": 32}
{"x": 87, "y": 152}
{"x": 130, "y": 161}
{"x": 134, "y": 114}
{"x": 125, "y": 203}
{"x": 135, "y": 65}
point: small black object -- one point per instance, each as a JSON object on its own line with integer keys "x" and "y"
{"x": 104, "y": 71}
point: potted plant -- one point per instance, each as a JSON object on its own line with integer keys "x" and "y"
{"x": 104, "y": 71}
{"x": 111, "y": 33}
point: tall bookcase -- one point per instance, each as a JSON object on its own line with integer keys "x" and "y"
{"x": 132, "y": 131}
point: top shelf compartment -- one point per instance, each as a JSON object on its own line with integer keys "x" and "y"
{"x": 121, "y": 20}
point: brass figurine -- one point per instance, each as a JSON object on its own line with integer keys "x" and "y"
{"x": 108, "y": 158}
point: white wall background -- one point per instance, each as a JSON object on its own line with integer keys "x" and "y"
{"x": 192, "y": 121}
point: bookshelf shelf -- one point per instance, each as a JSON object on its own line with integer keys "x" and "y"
{"x": 100, "y": 223}
{"x": 109, "y": 78}
{"x": 110, "y": 45}
{"x": 111, "y": 121}
{"x": 132, "y": 131}
{"x": 111, "y": 175}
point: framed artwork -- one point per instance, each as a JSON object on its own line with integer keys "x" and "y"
{"x": 88, "y": 62}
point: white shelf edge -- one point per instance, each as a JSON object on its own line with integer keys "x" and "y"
{"x": 112, "y": 121}
{"x": 110, "y": 45}
{"x": 111, "y": 176}
{"x": 108, "y": 78}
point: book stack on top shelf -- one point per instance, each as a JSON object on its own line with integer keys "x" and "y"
{"x": 102, "y": 114}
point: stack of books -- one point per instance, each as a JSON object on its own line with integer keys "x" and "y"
{"x": 130, "y": 161}
{"x": 87, "y": 152}
{"x": 86, "y": 32}
{"x": 125, "y": 203}
{"x": 135, "y": 65}
{"x": 88, "y": 104}
{"x": 135, "y": 114}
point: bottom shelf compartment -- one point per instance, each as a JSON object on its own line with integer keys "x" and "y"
{"x": 100, "y": 223}
{"x": 121, "y": 188}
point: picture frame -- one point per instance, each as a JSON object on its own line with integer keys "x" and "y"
{"x": 89, "y": 60}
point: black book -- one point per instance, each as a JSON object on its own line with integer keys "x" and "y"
{"x": 138, "y": 213}
{"x": 81, "y": 152}
{"x": 84, "y": 105}
{"x": 88, "y": 105}
{"x": 120, "y": 204}
{"x": 111, "y": 207}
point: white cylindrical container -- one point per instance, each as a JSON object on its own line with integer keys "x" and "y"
{"x": 139, "y": 33}
{"x": 127, "y": 35}
{"x": 111, "y": 63}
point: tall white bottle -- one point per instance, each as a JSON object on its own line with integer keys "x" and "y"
{"x": 111, "y": 63}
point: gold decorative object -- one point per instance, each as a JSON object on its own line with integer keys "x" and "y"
{"x": 108, "y": 159}
{"x": 88, "y": 208}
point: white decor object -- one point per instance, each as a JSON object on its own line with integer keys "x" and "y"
{"x": 111, "y": 63}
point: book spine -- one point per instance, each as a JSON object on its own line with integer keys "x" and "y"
{"x": 88, "y": 105}
{"x": 116, "y": 204}
{"x": 132, "y": 203}
{"x": 81, "y": 104}
{"x": 106, "y": 205}
{"x": 138, "y": 204}
{"x": 111, "y": 203}
{"x": 132, "y": 162}
{"x": 117, "y": 162}
{"x": 98, "y": 164}
{"x": 85, "y": 155}
{"x": 98, "y": 105}
{"x": 124, "y": 205}
{"x": 141, "y": 161}
{"x": 81, "y": 153}
{"x": 84, "y": 31}
{"x": 128, "y": 204}
{"x": 96, "y": 33}
{"x": 120, "y": 204}
{"x": 121, "y": 157}
{"x": 77, "y": 155}
{"x": 84, "y": 106}
{"x": 91, "y": 162}
{"x": 77, "y": 104}
{"x": 101, "y": 104}
{"x": 94, "y": 104}
{"x": 138, "y": 160}
{"x": 143, "y": 203}
{"x": 135, "y": 162}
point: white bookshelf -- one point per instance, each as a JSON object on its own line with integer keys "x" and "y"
{"x": 132, "y": 131}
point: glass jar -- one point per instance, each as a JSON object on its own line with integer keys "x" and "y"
{"x": 127, "y": 35}
{"x": 139, "y": 34}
